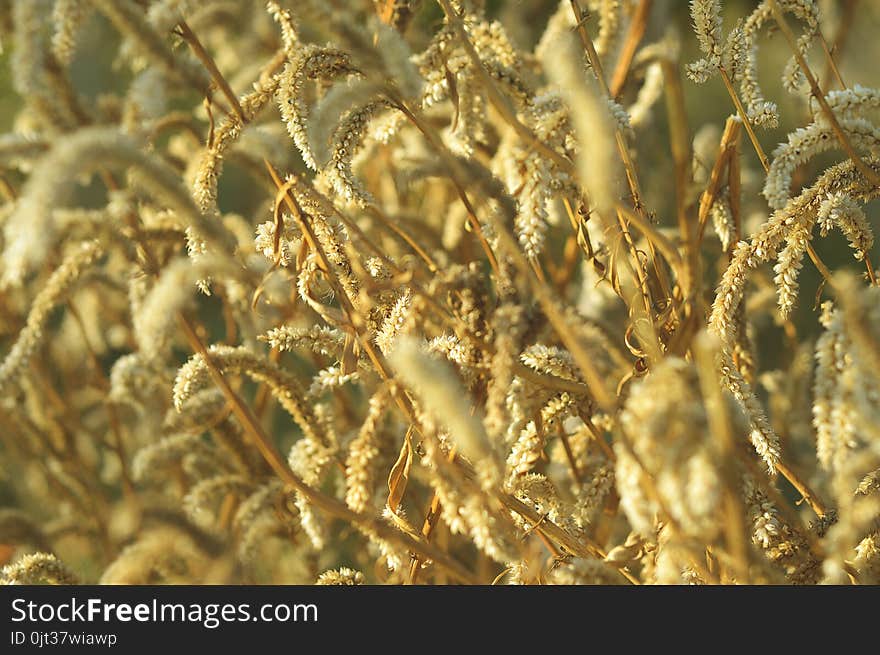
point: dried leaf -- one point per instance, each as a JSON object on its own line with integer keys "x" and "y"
{"x": 399, "y": 476}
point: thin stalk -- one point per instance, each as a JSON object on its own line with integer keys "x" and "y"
{"x": 843, "y": 31}
{"x": 832, "y": 65}
{"x": 726, "y": 151}
{"x": 634, "y": 36}
{"x": 680, "y": 141}
{"x": 459, "y": 187}
{"x": 820, "y": 265}
{"x": 208, "y": 62}
{"x": 803, "y": 489}
{"x": 744, "y": 116}
{"x": 735, "y": 532}
{"x": 734, "y": 191}
{"x": 663, "y": 244}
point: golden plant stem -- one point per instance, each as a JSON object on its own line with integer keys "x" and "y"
{"x": 832, "y": 65}
{"x": 569, "y": 455}
{"x": 208, "y": 62}
{"x": 843, "y": 31}
{"x": 227, "y": 510}
{"x": 734, "y": 192}
{"x": 405, "y": 237}
{"x": 680, "y": 142}
{"x": 803, "y": 489}
{"x": 634, "y": 37}
{"x": 598, "y": 438}
{"x": 735, "y": 531}
{"x": 263, "y": 397}
{"x": 553, "y": 550}
{"x": 431, "y": 518}
{"x": 641, "y": 275}
{"x": 579, "y": 230}
{"x": 564, "y": 273}
{"x": 211, "y": 122}
{"x": 744, "y": 116}
{"x": 872, "y": 275}
{"x": 726, "y": 151}
{"x": 175, "y": 119}
{"x": 784, "y": 27}
{"x": 663, "y": 244}
{"x": 820, "y": 265}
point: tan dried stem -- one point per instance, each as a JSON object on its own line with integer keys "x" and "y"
{"x": 848, "y": 15}
{"x": 744, "y": 117}
{"x": 735, "y": 531}
{"x": 726, "y": 151}
{"x": 208, "y": 62}
{"x": 637, "y": 27}
{"x": 832, "y": 65}
{"x": 680, "y": 142}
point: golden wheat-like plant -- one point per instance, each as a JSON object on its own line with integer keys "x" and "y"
{"x": 385, "y": 291}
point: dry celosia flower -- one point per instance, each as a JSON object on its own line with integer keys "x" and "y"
{"x": 354, "y": 293}
{"x": 343, "y": 576}
{"x": 37, "y": 568}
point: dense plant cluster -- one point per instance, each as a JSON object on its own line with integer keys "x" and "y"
{"x": 450, "y": 291}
